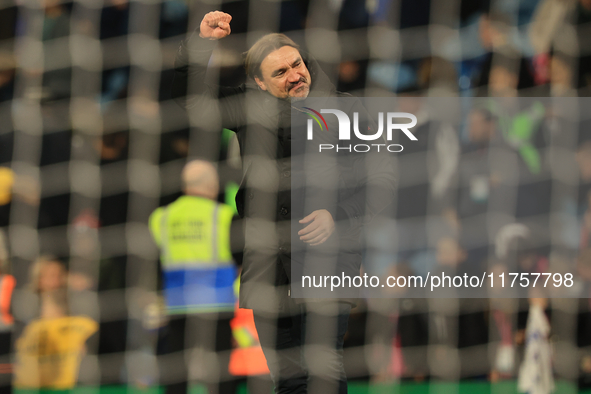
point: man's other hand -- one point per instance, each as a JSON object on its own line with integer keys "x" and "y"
{"x": 320, "y": 228}
{"x": 215, "y": 25}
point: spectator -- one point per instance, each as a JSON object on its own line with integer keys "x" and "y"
{"x": 559, "y": 25}
{"x": 412, "y": 336}
{"x": 456, "y": 323}
{"x": 114, "y": 19}
{"x": 50, "y": 349}
{"x": 47, "y": 275}
{"x": 583, "y": 269}
{"x": 427, "y": 169}
{"x": 562, "y": 75}
{"x": 479, "y": 176}
{"x": 174, "y": 15}
{"x": 535, "y": 374}
{"x": 7, "y": 72}
{"x": 503, "y": 69}
{"x": 503, "y": 322}
{"x": 583, "y": 158}
{"x": 503, "y": 78}
{"x": 56, "y": 25}
{"x": 8, "y": 16}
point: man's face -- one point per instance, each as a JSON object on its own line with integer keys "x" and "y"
{"x": 284, "y": 74}
{"x": 503, "y": 82}
{"x": 480, "y": 130}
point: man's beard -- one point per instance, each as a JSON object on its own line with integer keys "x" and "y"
{"x": 306, "y": 87}
{"x": 300, "y": 98}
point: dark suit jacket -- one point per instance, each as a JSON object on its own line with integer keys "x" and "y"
{"x": 262, "y": 124}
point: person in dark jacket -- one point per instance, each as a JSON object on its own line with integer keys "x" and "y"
{"x": 259, "y": 112}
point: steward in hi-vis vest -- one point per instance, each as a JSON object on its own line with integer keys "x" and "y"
{"x": 198, "y": 272}
{"x": 193, "y": 234}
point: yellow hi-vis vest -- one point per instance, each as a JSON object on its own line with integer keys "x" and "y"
{"x": 193, "y": 234}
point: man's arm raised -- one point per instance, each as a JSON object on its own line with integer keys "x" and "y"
{"x": 190, "y": 88}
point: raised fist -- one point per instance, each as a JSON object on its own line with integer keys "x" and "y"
{"x": 215, "y": 25}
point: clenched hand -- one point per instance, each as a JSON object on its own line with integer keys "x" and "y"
{"x": 215, "y": 25}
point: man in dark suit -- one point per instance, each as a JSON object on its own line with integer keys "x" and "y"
{"x": 259, "y": 112}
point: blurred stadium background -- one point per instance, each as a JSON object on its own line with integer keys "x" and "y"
{"x": 91, "y": 143}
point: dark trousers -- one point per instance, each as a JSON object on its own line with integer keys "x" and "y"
{"x": 5, "y": 363}
{"x": 304, "y": 349}
{"x": 196, "y": 347}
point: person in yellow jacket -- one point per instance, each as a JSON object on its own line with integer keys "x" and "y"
{"x": 198, "y": 272}
{"x": 50, "y": 349}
